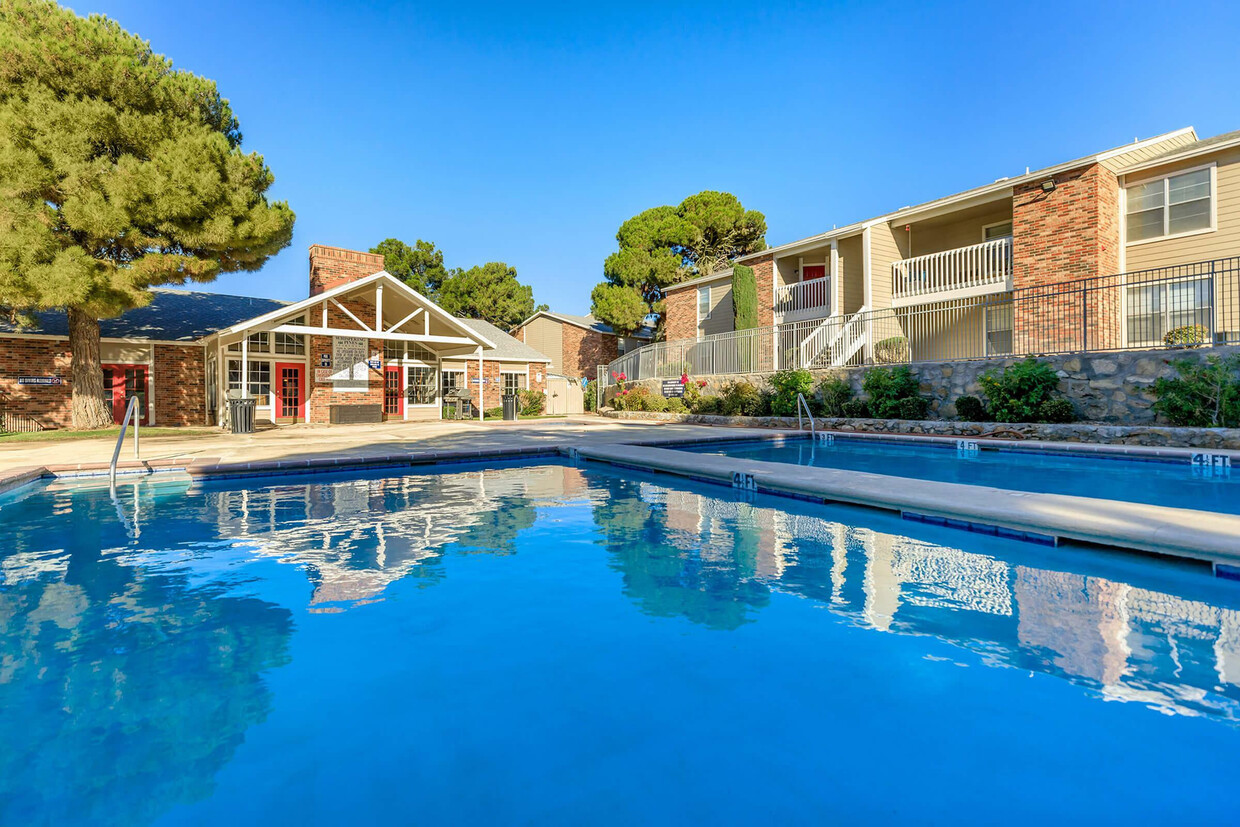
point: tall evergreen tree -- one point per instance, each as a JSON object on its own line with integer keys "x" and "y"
{"x": 664, "y": 246}
{"x": 420, "y": 266}
{"x": 117, "y": 173}
{"x": 490, "y": 292}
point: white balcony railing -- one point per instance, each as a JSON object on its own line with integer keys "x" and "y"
{"x": 803, "y": 300}
{"x": 985, "y": 265}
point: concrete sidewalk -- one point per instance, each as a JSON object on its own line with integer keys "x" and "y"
{"x": 298, "y": 442}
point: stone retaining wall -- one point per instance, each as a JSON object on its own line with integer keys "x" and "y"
{"x": 1149, "y": 435}
{"x": 1113, "y": 388}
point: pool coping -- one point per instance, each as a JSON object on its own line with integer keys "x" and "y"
{"x": 1199, "y": 535}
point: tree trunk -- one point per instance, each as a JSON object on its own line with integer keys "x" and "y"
{"x": 90, "y": 408}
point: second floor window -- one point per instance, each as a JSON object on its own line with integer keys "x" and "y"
{"x": 703, "y": 304}
{"x": 1170, "y": 206}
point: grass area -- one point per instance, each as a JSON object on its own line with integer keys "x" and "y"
{"x": 105, "y": 433}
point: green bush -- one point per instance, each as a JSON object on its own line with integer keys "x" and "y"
{"x": 971, "y": 409}
{"x": 494, "y": 413}
{"x": 786, "y": 384}
{"x": 1017, "y": 393}
{"x": 676, "y": 405}
{"x": 589, "y": 395}
{"x": 533, "y": 402}
{"x": 1057, "y": 410}
{"x": 1203, "y": 395}
{"x": 744, "y": 298}
{"x": 891, "y": 350}
{"x": 1189, "y": 335}
{"x": 655, "y": 403}
{"x": 833, "y": 394}
{"x": 913, "y": 407}
{"x": 856, "y": 409}
{"x": 740, "y": 399}
{"x": 886, "y": 388}
{"x": 705, "y": 405}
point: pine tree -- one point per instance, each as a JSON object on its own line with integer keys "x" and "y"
{"x": 118, "y": 173}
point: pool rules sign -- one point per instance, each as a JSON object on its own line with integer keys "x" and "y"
{"x": 350, "y": 373}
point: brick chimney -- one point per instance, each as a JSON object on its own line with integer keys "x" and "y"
{"x": 333, "y": 266}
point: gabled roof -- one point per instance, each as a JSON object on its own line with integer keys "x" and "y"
{"x": 706, "y": 279}
{"x": 587, "y": 323}
{"x": 172, "y": 316}
{"x": 506, "y": 347}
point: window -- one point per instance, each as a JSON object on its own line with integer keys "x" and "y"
{"x": 703, "y": 304}
{"x": 290, "y": 344}
{"x": 260, "y": 380}
{"x": 513, "y": 382}
{"x": 1154, "y": 310}
{"x": 234, "y": 374}
{"x": 452, "y": 379}
{"x": 418, "y": 353}
{"x": 393, "y": 351}
{"x": 420, "y": 386}
{"x": 999, "y": 329}
{"x": 259, "y": 343}
{"x": 1001, "y": 230}
{"x": 1171, "y": 206}
{"x": 622, "y": 345}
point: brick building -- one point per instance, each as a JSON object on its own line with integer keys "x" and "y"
{"x": 362, "y": 347}
{"x": 1124, "y": 248}
{"x": 577, "y": 345}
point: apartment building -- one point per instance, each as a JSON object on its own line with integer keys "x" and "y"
{"x": 1128, "y": 248}
{"x": 576, "y": 345}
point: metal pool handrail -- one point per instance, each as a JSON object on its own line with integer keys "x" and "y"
{"x": 801, "y": 403}
{"x": 130, "y": 412}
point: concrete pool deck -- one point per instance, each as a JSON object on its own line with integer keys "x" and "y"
{"x": 642, "y": 446}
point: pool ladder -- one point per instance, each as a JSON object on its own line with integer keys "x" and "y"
{"x": 131, "y": 412}
{"x": 802, "y": 405}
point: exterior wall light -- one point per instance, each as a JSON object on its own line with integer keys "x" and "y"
{"x": 1048, "y": 185}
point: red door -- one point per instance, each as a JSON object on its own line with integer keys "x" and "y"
{"x": 290, "y": 392}
{"x": 813, "y": 271}
{"x": 393, "y": 396}
{"x": 120, "y": 384}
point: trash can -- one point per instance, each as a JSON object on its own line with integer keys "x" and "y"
{"x": 510, "y": 405}
{"x": 241, "y": 414}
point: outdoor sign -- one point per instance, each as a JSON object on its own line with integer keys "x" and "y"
{"x": 39, "y": 380}
{"x": 673, "y": 387}
{"x": 325, "y": 360}
{"x": 349, "y": 356}
{"x": 374, "y": 364}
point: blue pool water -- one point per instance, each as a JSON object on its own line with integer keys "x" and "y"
{"x": 549, "y": 645}
{"x": 1174, "y": 484}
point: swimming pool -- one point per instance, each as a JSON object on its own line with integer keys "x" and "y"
{"x": 553, "y": 644}
{"x": 1176, "y": 484}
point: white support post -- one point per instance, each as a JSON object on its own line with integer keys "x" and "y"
{"x": 245, "y": 366}
{"x": 480, "y": 385}
{"x": 379, "y": 307}
{"x": 836, "y": 285}
{"x": 324, "y": 313}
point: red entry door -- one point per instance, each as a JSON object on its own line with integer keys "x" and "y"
{"x": 813, "y": 271}
{"x": 120, "y": 384}
{"x": 393, "y": 393}
{"x": 290, "y": 392}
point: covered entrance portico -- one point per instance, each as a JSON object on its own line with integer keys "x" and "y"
{"x": 367, "y": 350}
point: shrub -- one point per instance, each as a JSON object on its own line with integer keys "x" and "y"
{"x": 494, "y": 413}
{"x": 892, "y": 349}
{"x": 856, "y": 409}
{"x": 912, "y": 407}
{"x": 705, "y": 405}
{"x": 971, "y": 409}
{"x": 1203, "y": 395}
{"x": 1189, "y": 335}
{"x": 740, "y": 399}
{"x": 1017, "y": 393}
{"x": 744, "y": 298}
{"x": 533, "y": 402}
{"x": 833, "y": 393}
{"x": 676, "y": 405}
{"x": 654, "y": 402}
{"x": 589, "y": 395}
{"x": 886, "y": 387}
{"x": 786, "y": 384}
{"x": 1057, "y": 411}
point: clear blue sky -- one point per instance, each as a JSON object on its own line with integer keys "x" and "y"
{"x": 527, "y": 133}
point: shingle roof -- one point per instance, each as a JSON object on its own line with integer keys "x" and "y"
{"x": 589, "y": 323}
{"x": 172, "y": 316}
{"x": 1194, "y": 147}
{"x": 506, "y": 347}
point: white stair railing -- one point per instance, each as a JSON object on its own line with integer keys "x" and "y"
{"x": 978, "y": 265}
{"x": 837, "y": 337}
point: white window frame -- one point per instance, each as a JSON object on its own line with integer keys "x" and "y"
{"x": 520, "y": 374}
{"x": 437, "y": 384}
{"x": 1164, "y": 177}
{"x": 700, "y": 292}
{"x": 986, "y": 330}
{"x": 1165, "y": 310}
{"x": 986, "y": 227}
